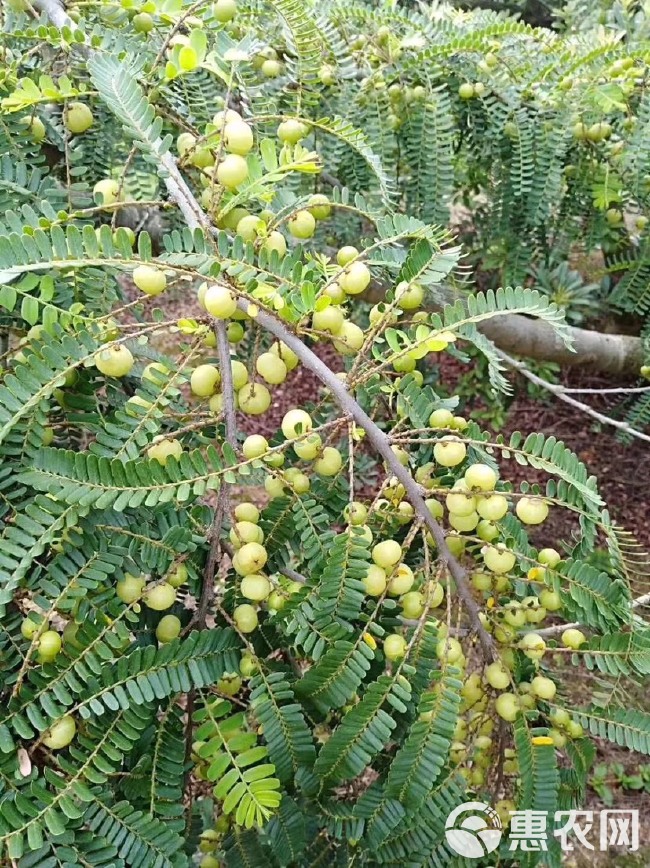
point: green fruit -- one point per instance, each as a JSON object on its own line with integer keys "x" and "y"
{"x": 295, "y": 423}
{"x": 224, "y": 10}
{"x": 36, "y": 129}
{"x": 150, "y": 280}
{"x": 220, "y": 302}
{"x": 29, "y": 628}
{"x": 238, "y": 137}
{"x": 387, "y": 554}
{"x": 346, "y": 255}
{"x": 302, "y": 224}
{"x": 497, "y": 676}
{"x": 61, "y": 733}
{"x": 255, "y": 446}
{"x": 355, "y": 513}
{"x": 232, "y": 171}
{"x": 250, "y": 227}
{"x": 394, "y": 646}
{"x": 481, "y": 477}
{"x": 49, "y": 646}
{"x": 412, "y": 604}
{"x": 247, "y": 512}
{"x": 319, "y": 206}
{"x": 164, "y": 449}
{"x": 271, "y": 68}
{"x": 168, "y": 628}
{"x": 507, "y": 706}
{"x": 77, "y": 118}
{"x": 492, "y": 508}
{"x": 108, "y": 189}
{"x": 498, "y": 559}
{"x": 573, "y": 638}
{"x": 114, "y": 360}
{"x": 239, "y": 374}
{"x": 250, "y": 559}
{"x": 441, "y": 419}
{"x": 329, "y": 463}
{"x": 204, "y": 380}
{"x": 532, "y": 510}
{"x": 160, "y": 597}
{"x": 130, "y": 588}
{"x": 328, "y": 320}
{"x": 375, "y": 581}
{"x": 466, "y": 90}
{"x": 254, "y": 399}
{"x": 533, "y": 646}
{"x": 449, "y": 452}
{"x": 255, "y": 587}
{"x": 230, "y": 684}
{"x": 271, "y": 368}
{"x": 543, "y": 687}
{"x": 291, "y": 131}
{"x": 402, "y": 580}
{"x": 178, "y": 576}
{"x": 244, "y": 532}
{"x": 142, "y": 22}
{"x": 275, "y": 242}
{"x": 355, "y": 279}
{"x": 350, "y": 338}
{"x": 245, "y": 618}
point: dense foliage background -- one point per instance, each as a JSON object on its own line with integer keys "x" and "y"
{"x": 270, "y": 592}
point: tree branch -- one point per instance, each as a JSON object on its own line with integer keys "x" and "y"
{"x": 227, "y": 388}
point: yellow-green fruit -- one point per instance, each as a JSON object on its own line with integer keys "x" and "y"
{"x": 239, "y": 374}
{"x": 573, "y": 638}
{"x": 387, "y": 554}
{"x": 177, "y": 576}
{"x": 507, "y": 706}
{"x": 291, "y": 131}
{"x": 533, "y": 646}
{"x": 449, "y": 452}
{"x": 302, "y": 224}
{"x": 481, "y": 477}
{"x": 36, "y": 129}
{"x": 287, "y": 355}
{"x": 329, "y": 463}
{"x": 160, "y": 597}
{"x": 164, "y": 449}
{"x": 543, "y": 687}
{"x": 275, "y": 242}
{"x": 349, "y": 339}
{"x": 238, "y": 137}
{"x": 394, "y": 646}
{"x": 497, "y": 676}
{"x": 108, "y": 189}
{"x": 271, "y": 368}
{"x": 328, "y": 320}
{"x": 255, "y": 587}
{"x": 219, "y": 301}
{"x": 374, "y": 581}
{"x": 355, "y": 513}
{"x": 49, "y": 645}
{"x": 151, "y": 281}
{"x": 142, "y": 22}
{"x": 254, "y": 399}
{"x": 224, "y": 10}
{"x": 532, "y": 510}
{"x": 77, "y": 118}
{"x": 320, "y": 206}
{"x": 402, "y": 580}
{"x": 355, "y": 279}
{"x": 130, "y": 588}
{"x": 168, "y": 628}
{"x": 441, "y": 419}
{"x": 204, "y": 380}
{"x": 250, "y": 559}
{"x": 412, "y": 604}
{"x": 254, "y": 446}
{"x": 295, "y": 423}
{"x": 498, "y": 559}
{"x": 245, "y": 618}
{"x": 61, "y": 733}
{"x": 232, "y": 171}
{"x": 493, "y": 507}
{"x": 114, "y": 360}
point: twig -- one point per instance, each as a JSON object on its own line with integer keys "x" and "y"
{"x": 561, "y": 393}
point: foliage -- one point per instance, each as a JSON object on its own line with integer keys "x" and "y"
{"x": 324, "y": 696}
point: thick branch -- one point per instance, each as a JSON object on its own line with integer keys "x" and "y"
{"x": 227, "y": 389}
{"x": 536, "y": 339}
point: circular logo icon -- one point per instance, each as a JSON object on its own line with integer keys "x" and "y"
{"x": 476, "y": 834}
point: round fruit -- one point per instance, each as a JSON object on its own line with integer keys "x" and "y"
{"x": 230, "y": 683}
{"x": 287, "y": 355}
{"x": 150, "y": 280}
{"x": 349, "y": 339}
{"x": 459, "y": 503}
{"x": 573, "y": 638}
{"x": 245, "y": 618}
{"x": 498, "y": 559}
{"x": 355, "y": 278}
{"x": 295, "y": 423}
{"x": 319, "y": 206}
{"x": 464, "y": 523}
{"x": 543, "y": 687}
{"x": 254, "y": 399}
{"x": 497, "y": 676}
{"x": 387, "y": 554}
{"x": 533, "y": 646}
{"x": 255, "y": 587}
{"x": 481, "y": 477}
{"x": 49, "y": 646}
{"x": 507, "y": 706}
{"x": 255, "y": 446}
{"x": 549, "y": 557}
{"x": 156, "y": 373}
{"x": 204, "y": 380}
{"x": 531, "y": 510}
{"x": 129, "y": 589}
{"x": 164, "y": 449}
{"x": 178, "y": 576}
{"x": 394, "y": 646}
{"x": 108, "y": 189}
{"x": 329, "y": 463}
{"x": 493, "y": 507}
{"x": 232, "y": 171}
{"x": 436, "y": 594}
{"x": 402, "y": 581}
{"x": 449, "y": 452}
{"x": 250, "y": 559}
{"x": 271, "y": 68}
{"x": 328, "y": 320}
{"x": 239, "y": 374}
{"x": 160, "y": 597}
{"x": 291, "y": 131}
{"x": 238, "y": 137}
{"x": 346, "y": 255}
{"x": 441, "y": 419}
{"x": 250, "y": 227}
{"x": 450, "y": 650}
{"x": 487, "y": 531}
{"x": 412, "y": 604}
{"x": 142, "y": 22}
{"x": 272, "y": 368}
{"x": 375, "y": 581}
{"x": 302, "y": 224}
{"x": 410, "y": 296}
{"x": 61, "y": 733}
{"x": 36, "y": 129}
{"x": 77, "y": 118}
{"x": 29, "y": 628}
{"x": 245, "y": 531}
{"x": 466, "y": 90}
{"x": 247, "y": 512}
{"x": 115, "y": 360}
{"x": 168, "y": 628}
{"x": 220, "y": 302}
{"x": 275, "y": 241}
{"x": 355, "y": 513}
{"x": 550, "y": 600}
